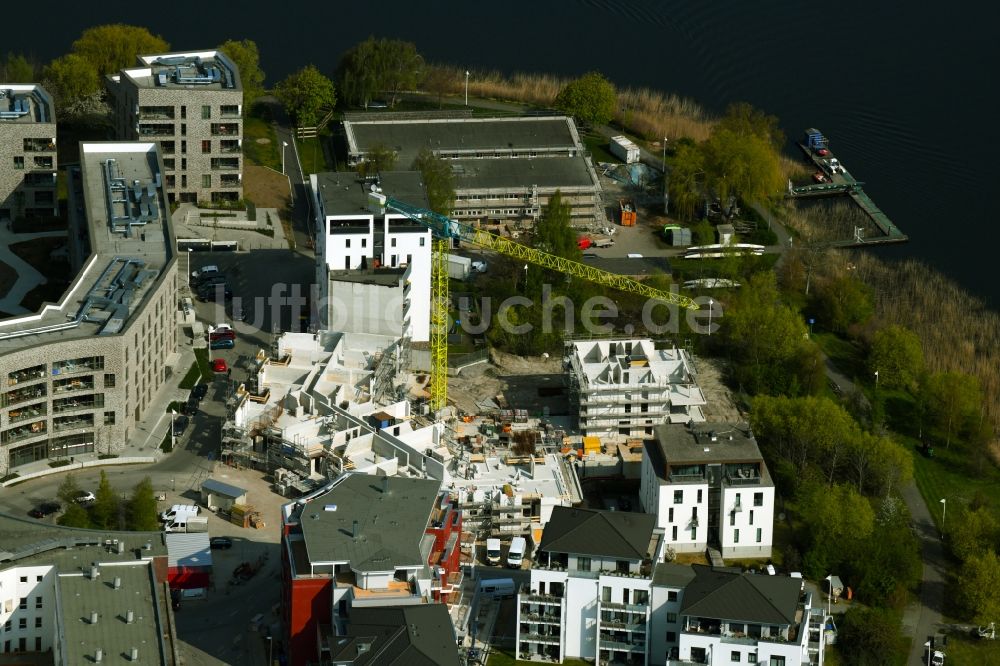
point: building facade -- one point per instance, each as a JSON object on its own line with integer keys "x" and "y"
{"x": 378, "y": 260}
{"x": 708, "y": 486}
{"x": 506, "y": 169}
{"x": 78, "y": 375}
{"x": 190, "y": 103}
{"x": 626, "y": 388}
{"x": 590, "y": 591}
{"x": 28, "y": 161}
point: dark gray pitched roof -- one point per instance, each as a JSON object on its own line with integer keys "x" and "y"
{"x": 391, "y": 514}
{"x": 398, "y": 636}
{"x": 724, "y": 595}
{"x": 668, "y": 574}
{"x": 617, "y": 534}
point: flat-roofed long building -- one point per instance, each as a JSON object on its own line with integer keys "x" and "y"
{"x": 191, "y": 103}
{"x": 506, "y": 169}
{"x": 79, "y": 374}
{"x": 28, "y": 160}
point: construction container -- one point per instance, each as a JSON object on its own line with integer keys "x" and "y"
{"x": 626, "y": 213}
{"x": 459, "y": 267}
{"x": 591, "y": 444}
{"x": 624, "y": 149}
{"x": 815, "y": 139}
{"x": 240, "y": 515}
{"x": 679, "y": 237}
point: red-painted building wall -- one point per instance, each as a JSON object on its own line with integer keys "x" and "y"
{"x": 305, "y": 605}
{"x": 446, "y": 555}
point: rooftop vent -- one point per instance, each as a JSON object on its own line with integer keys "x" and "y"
{"x": 330, "y": 507}
{"x": 129, "y": 617}
{"x": 133, "y": 654}
{"x": 95, "y": 571}
{"x": 93, "y": 617}
{"x": 98, "y": 656}
{"x": 118, "y": 583}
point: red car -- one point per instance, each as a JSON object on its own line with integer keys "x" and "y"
{"x": 219, "y": 365}
{"x": 820, "y": 177}
{"x": 822, "y": 152}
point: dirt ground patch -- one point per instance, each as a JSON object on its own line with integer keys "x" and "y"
{"x": 526, "y": 382}
{"x": 721, "y": 407}
{"x": 265, "y": 187}
{"x": 8, "y": 276}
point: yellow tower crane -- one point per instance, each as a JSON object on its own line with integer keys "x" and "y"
{"x": 445, "y": 229}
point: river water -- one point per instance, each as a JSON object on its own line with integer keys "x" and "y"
{"x": 904, "y": 91}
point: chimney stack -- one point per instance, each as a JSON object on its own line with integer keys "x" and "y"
{"x": 93, "y": 617}
{"x": 118, "y": 583}
{"x": 133, "y": 654}
{"x": 356, "y": 530}
{"x": 129, "y": 617}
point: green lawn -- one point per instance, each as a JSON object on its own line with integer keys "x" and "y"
{"x": 952, "y": 476}
{"x": 597, "y": 144}
{"x": 202, "y": 356}
{"x": 312, "y": 156}
{"x": 260, "y": 143}
{"x": 504, "y": 658}
{"x": 971, "y": 652}
{"x": 846, "y": 355}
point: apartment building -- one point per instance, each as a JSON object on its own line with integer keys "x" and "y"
{"x": 79, "y": 374}
{"x": 191, "y": 103}
{"x": 708, "y": 486}
{"x": 373, "y": 268}
{"x": 363, "y": 541}
{"x": 627, "y": 388}
{"x": 728, "y": 617}
{"x": 506, "y": 169}
{"x": 70, "y": 596}
{"x": 589, "y": 595}
{"x": 28, "y": 159}
{"x": 410, "y": 635}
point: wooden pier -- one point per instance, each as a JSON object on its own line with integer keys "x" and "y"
{"x": 841, "y": 182}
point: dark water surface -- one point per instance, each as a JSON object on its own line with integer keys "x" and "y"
{"x": 906, "y": 92}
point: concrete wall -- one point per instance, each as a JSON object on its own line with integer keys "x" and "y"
{"x": 750, "y": 519}
{"x": 16, "y": 196}
{"x": 354, "y": 307}
{"x": 40, "y": 584}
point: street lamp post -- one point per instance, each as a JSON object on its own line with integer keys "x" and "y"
{"x": 270, "y": 650}
{"x": 467, "y": 87}
{"x": 711, "y": 306}
{"x": 284, "y": 144}
{"x": 829, "y": 593}
{"x": 944, "y": 512}
{"x": 210, "y": 330}
{"x": 173, "y": 438}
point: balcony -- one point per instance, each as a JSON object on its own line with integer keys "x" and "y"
{"x": 74, "y": 384}
{"x": 225, "y": 163}
{"x": 230, "y": 111}
{"x": 63, "y": 423}
{"x": 63, "y": 405}
{"x": 167, "y": 147}
{"x": 39, "y": 145}
{"x": 225, "y": 129}
{"x": 23, "y": 432}
{"x": 639, "y": 609}
{"x": 78, "y": 365}
{"x": 540, "y": 638}
{"x": 541, "y": 598}
{"x": 158, "y": 129}
{"x": 39, "y": 179}
{"x": 230, "y": 146}
{"x": 156, "y": 113}
{"x": 40, "y": 162}
{"x": 26, "y": 375}
{"x": 27, "y": 393}
{"x": 27, "y": 412}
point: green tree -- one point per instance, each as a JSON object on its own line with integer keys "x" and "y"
{"x": 107, "y": 506}
{"x": 744, "y": 120}
{"x": 17, "y": 69}
{"x": 75, "y": 516}
{"x": 979, "y": 586}
{"x": 973, "y": 531}
{"x": 891, "y": 563}
{"x": 747, "y": 167}
{"x": 142, "y": 508}
{"x": 844, "y": 301}
{"x": 68, "y": 489}
{"x": 71, "y": 79}
{"x": 590, "y": 98}
{"x": 110, "y": 48}
{"x": 378, "y": 158}
{"x": 869, "y": 637}
{"x": 686, "y": 194}
{"x": 246, "y": 57}
{"x": 306, "y": 94}
{"x": 952, "y": 401}
{"x": 838, "y": 520}
{"x": 439, "y": 181}
{"x": 553, "y": 233}
{"x": 379, "y": 65}
{"x": 896, "y": 354}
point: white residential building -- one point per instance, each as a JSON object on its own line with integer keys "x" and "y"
{"x": 708, "y": 486}
{"x": 628, "y": 387}
{"x": 589, "y": 594}
{"x": 386, "y": 252}
{"x": 727, "y": 617}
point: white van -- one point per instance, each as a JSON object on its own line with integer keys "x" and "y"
{"x": 497, "y": 587}
{"x": 516, "y": 553}
{"x": 493, "y": 551}
{"x": 179, "y": 509}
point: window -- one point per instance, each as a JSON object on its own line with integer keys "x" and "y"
{"x": 583, "y": 564}
{"x": 734, "y": 656}
{"x": 699, "y": 496}
{"x": 184, "y": 112}
{"x": 109, "y": 380}
{"x": 670, "y": 515}
{"x": 38, "y": 643}
{"x": 184, "y": 147}
{"x": 777, "y": 661}
{"x": 751, "y": 516}
{"x": 364, "y": 242}
{"x": 206, "y": 180}
{"x": 7, "y": 627}
{"x": 678, "y": 497}
{"x": 38, "y": 623}
{"x": 184, "y": 178}
{"x": 109, "y": 418}
{"x": 760, "y": 535}
{"x": 671, "y": 617}
{"x": 206, "y": 112}
{"x": 22, "y": 623}
{"x": 422, "y": 241}
{"x": 24, "y": 603}
{"x": 393, "y": 244}
{"x": 606, "y": 594}
{"x": 672, "y": 595}
{"x": 184, "y": 164}
{"x": 184, "y": 129}
{"x": 758, "y": 499}
{"x": 673, "y": 536}
{"x": 24, "y": 579}
{"x": 18, "y": 161}
{"x": 736, "y": 536}
{"x": 732, "y": 518}
{"x": 38, "y": 602}
{"x": 347, "y": 242}
{"x": 38, "y": 579}
{"x": 206, "y": 146}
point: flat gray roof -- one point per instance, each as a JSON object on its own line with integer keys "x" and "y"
{"x": 382, "y": 277}
{"x": 707, "y": 442}
{"x": 25, "y": 103}
{"x": 220, "y": 488}
{"x": 545, "y": 172}
{"x": 131, "y": 242}
{"x": 391, "y": 514}
{"x": 67, "y": 547}
{"x": 344, "y": 193}
{"x": 408, "y": 137}
{"x": 113, "y": 634}
{"x": 189, "y": 70}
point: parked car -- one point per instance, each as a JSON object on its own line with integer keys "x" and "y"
{"x": 45, "y": 509}
{"x": 180, "y": 425}
{"x": 84, "y": 497}
{"x": 212, "y": 291}
{"x": 200, "y": 391}
{"x": 204, "y": 271}
{"x": 219, "y": 365}
{"x": 822, "y": 152}
{"x": 191, "y": 407}
{"x": 220, "y": 543}
{"x": 222, "y": 343}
